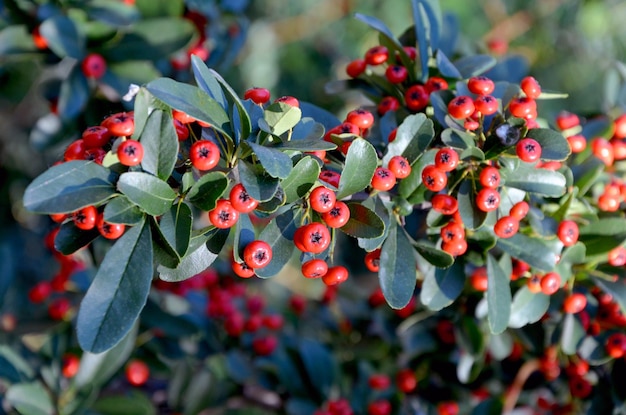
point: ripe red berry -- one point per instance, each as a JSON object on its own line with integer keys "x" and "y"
{"x": 387, "y": 104}
{"x": 461, "y": 107}
{"x": 121, "y": 124}
{"x": 416, "y": 98}
{"x": 372, "y": 260}
{"x": 435, "y": 83}
{"x": 383, "y": 179}
{"x": 486, "y": 104}
{"x": 60, "y": 309}
{"x": 574, "y": 303}
{"x": 566, "y": 120}
{"x": 487, "y": 199}
{"x": 94, "y": 66}
{"x": 356, "y": 68}
{"x": 519, "y": 210}
{"x": 75, "y": 151}
{"x": 109, "y": 230}
{"x": 396, "y": 74}
{"x": 40, "y": 292}
{"x": 455, "y": 247}
{"x": 602, "y": 149}
{"x": 137, "y": 372}
{"x": 489, "y": 177}
{"x": 70, "y": 365}
{"x": 480, "y": 85}
{"x": 224, "y": 215}
{"x": 335, "y": 275}
{"x": 406, "y": 380}
{"x": 257, "y": 254}
{"x": 337, "y": 216}
{"x": 130, "y": 152}
{"x": 40, "y": 42}
{"x": 619, "y": 127}
{"x": 182, "y": 132}
{"x": 446, "y": 159}
{"x": 183, "y": 117}
{"x": 445, "y": 204}
{"x": 448, "y": 408}
{"x": 314, "y": 268}
{"x": 400, "y": 167}
{"x": 314, "y": 237}
{"x": 379, "y": 381}
{"x": 567, "y": 232}
{"x": 241, "y": 200}
{"x": 330, "y": 176}
{"x": 96, "y": 136}
{"x": 376, "y": 55}
{"x": 506, "y": 227}
{"x": 523, "y": 107}
{"x": 452, "y": 231}
{"x": 479, "y": 279}
{"x": 241, "y": 269}
{"x": 433, "y": 178}
{"x": 264, "y": 346}
{"x": 617, "y": 256}
{"x": 85, "y": 218}
{"x": 322, "y": 199}
{"x": 550, "y": 283}
{"x": 379, "y": 407}
{"x": 531, "y": 87}
{"x": 615, "y": 345}
{"x": 528, "y": 150}
{"x": 361, "y": 118}
{"x": 257, "y": 95}
{"x": 204, "y": 155}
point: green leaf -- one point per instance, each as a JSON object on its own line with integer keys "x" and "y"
{"x": 422, "y": 24}
{"x": 307, "y": 144}
{"x": 259, "y": 185}
{"x": 74, "y": 94}
{"x": 159, "y": 8}
{"x": 207, "y": 81}
{"x": 176, "y": 227}
{"x": 616, "y": 289}
{"x": 30, "y": 398}
{"x": 533, "y": 180}
{"x": 118, "y": 292}
{"x": 278, "y": 233}
{"x": 458, "y": 139}
{"x": 192, "y": 101}
{"x": 70, "y": 239}
{"x": 69, "y": 186}
{"x": 207, "y": 190}
{"x": 413, "y": 137}
{"x": 301, "y": 179}
{"x": 361, "y": 162}
{"x": 319, "y": 364}
{"x": 244, "y": 234}
{"x": 160, "y": 143}
{"x": 15, "y": 39}
{"x": 534, "y": 251}
{"x": 474, "y": 65}
{"x": 604, "y": 227}
{"x": 150, "y": 193}
{"x": 145, "y": 103}
{"x": 473, "y": 218}
{"x": 282, "y": 117}
{"x": 572, "y": 333}
{"x": 375, "y": 204}
{"x": 63, "y": 37}
{"x": 112, "y": 13}
{"x": 498, "y": 296}
{"x": 553, "y": 145}
{"x": 275, "y": 162}
{"x": 442, "y": 287}
{"x": 245, "y": 124}
{"x": 436, "y": 257}
{"x": 363, "y": 222}
{"x": 13, "y": 367}
{"x": 411, "y": 187}
{"x": 121, "y": 210}
{"x": 136, "y": 403}
{"x": 397, "y": 274}
{"x": 602, "y": 235}
{"x": 377, "y": 25}
{"x": 193, "y": 263}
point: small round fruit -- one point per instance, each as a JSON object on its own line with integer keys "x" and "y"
{"x": 486, "y": 104}
{"x": 257, "y": 95}
{"x": 487, "y": 199}
{"x": 322, "y": 199}
{"x": 361, "y": 118}
{"x": 242, "y": 270}
{"x": 519, "y": 210}
{"x": 461, "y": 107}
{"x": 314, "y": 237}
{"x": 257, "y": 254}
{"x": 110, "y": 230}
{"x": 506, "y": 227}
{"x": 446, "y": 159}
{"x": 550, "y": 283}
{"x": 264, "y": 346}
{"x": 241, "y": 200}
{"x": 224, "y": 215}
{"x": 602, "y": 149}
{"x": 387, "y": 104}
{"x": 566, "y": 120}
{"x": 383, "y": 179}
{"x": 330, "y": 176}
{"x": 448, "y": 408}
{"x": 40, "y": 292}
{"x": 75, "y": 151}
{"x": 94, "y": 66}
{"x": 289, "y": 100}
{"x": 452, "y": 231}
{"x": 335, "y": 275}
{"x": 121, "y": 124}
{"x": 416, "y": 97}
{"x": 399, "y": 166}
{"x": 433, "y": 178}
{"x": 396, "y": 74}
{"x": 406, "y": 380}
{"x": 523, "y": 107}
{"x": 615, "y": 345}
{"x": 568, "y": 232}
{"x": 376, "y": 55}
{"x": 531, "y": 87}
{"x": 314, "y": 268}
{"x": 130, "y": 152}
{"x": 337, "y": 216}
{"x": 435, "y": 83}
{"x": 204, "y": 155}
{"x": 372, "y": 260}
{"x": 479, "y": 279}
{"x": 528, "y": 150}
{"x": 480, "y": 85}
{"x": 96, "y": 136}
{"x": 356, "y": 68}
{"x": 455, "y": 247}
{"x": 137, "y": 372}
{"x": 489, "y": 177}
{"x": 574, "y": 303}
{"x": 378, "y": 381}
{"x": 70, "y": 365}
{"x": 445, "y": 204}
{"x": 85, "y": 218}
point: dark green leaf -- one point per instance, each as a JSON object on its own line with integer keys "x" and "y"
{"x": 498, "y": 296}
{"x": 136, "y": 403}
{"x": 145, "y": 103}
{"x": 207, "y": 82}
{"x": 313, "y": 144}
{"x": 192, "y": 101}
{"x": 473, "y": 218}
{"x": 397, "y": 274}
{"x": 376, "y": 24}
{"x": 150, "y": 193}
{"x": 361, "y": 161}
{"x": 458, "y": 139}
{"x": 531, "y": 179}
{"x": 553, "y": 145}
{"x": 176, "y": 227}
{"x": 118, "y": 292}
{"x": 160, "y": 144}
{"x": 436, "y": 257}
{"x": 70, "y": 239}
{"x": 74, "y": 94}
{"x": 490, "y": 406}
{"x": 301, "y": 179}
{"x": 63, "y": 37}
{"x": 160, "y": 8}
{"x": 446, "y": 67}
{"x": 320, "y": 115}
{"x": 375, "y": 204}
{"x": 319, "y": 364}
{"x": 278, "y": 233}
{"x": 412, "y": 186}
{"x": 412, "y": 139}
{"x": 244, "y": 234}
{"x": 363, "y": 222}
{"x": 112, "y": 13}
{"x": 207, "y": 190}
{"x": 441, "y": 287}
{"x": 14, "y": 367}
{"x": 245, "y": 125}
{"x": 164, "y": 253}
{"x": 602, "y": 235}
{"x": 604, "y": 227}
{"x": 572, "y": 334}
{"x": 258, "y": 184}
{"x": 282, "y": 117}
{"x": 30, "y": 398}
{"x": 473, "y": 65}
{"x": 193, "y": 263}
{"x": 469, "y": 336}
{"x": 121, "y": 210}
{"x": 275, "y": 162}
{"x": 422, "y": 26}
{"x": 534, "y": 251}
{"x": 616, "y": 289}
{"x": 15, "y": 39}
{"x": 70, "y": 186}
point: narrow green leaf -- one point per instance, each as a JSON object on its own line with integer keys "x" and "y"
{"x": 145, "y": 103}
{"x": 275, "y": 162}
{"x": 244, "y": 234}
{"x": 160, "y": 144}
{"x": 164, "y": 253}
{"x": 363, "y": 223}
{"x": 207, "y": 190}
{"x": 572, "y": 333}
{"x": 30, "y": 398}
{"x": 282, "y": 117}
{"x": 70, "y": 239}
{"x": 534, "y": 251}
{"x": 436, "y": 257}
{"x": 413, "y": 137}
{"x": 533, "y": 180}
{"x": 306, "y": 144}
{"x": 553, "y": 145}
{"x": 604, "y": 227}
{"x": 498, "y": 296}
{"x": 441, "y": 287}
{"x": 176, "y": 227}
{"x": 259, "y": 185}
{"x": 112, "y": 13}
{"x": 150, "y": 193}
{"x": 361, "y": 162}
{"x": 422, "y": 26}
{"x": 301, "y": 179}
{"x": 376, "y": 24}
{"x": 121, "y": 210}
{"x": 319, "y": 364}
{"x": 118, "y": 292}
{"x": 207, "y": 81}
{"x": 74, "y": 95}
{"x": 233, "y": 98}
{"x": 397, "y": 274}
{"x": 13, "y": 366}
{"x": 474, "y": 65}
{"x": 63, "y": 37}
{"x": 193, "y": 263}
{"x": 69, "y": 186}
{"x": 278, "y": 233}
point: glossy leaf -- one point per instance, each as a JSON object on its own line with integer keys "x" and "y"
{"x": 135, "y": 403}
{"x": 553, "y": 145}
{"x": 435, "y": 256}
{"x": 207, "y": 190}
{"x": 534, "y": 251}
{"x": 458, "y": 139}
{"x": 118, "y": 292}
{"x": 422, "y": 24}
{"x": 176, "y": 227}
{"x": 70, "y": 239}
{"x": 233, "y": 98}
{"x": 361, "y": 161}
{"x": 112, "y": 13}
{"x": 278, "y": 233}
{"x": 376, "y": 24}
{"x": 397, "y": 274}
{"x": 160, "y": 144}
{"x": 616, "y": 289}
{"x": 320, "y": 115}
{"x": 276, "y": 163}
{"x": 363, "y": 222}
{"x": 258, "y": 184}
{"x": 30, "y": 398}
{"x": 319, "y": 365}
{"x": 441, "y": 287}
{"x": 474, "y": 65}
{"x": 533, "y": 180}
{"x": 446, "y": 67}
{"x": 14, "y": 367}
{"x": 301, "y": 179}
{"x": 160, "y": 8}
{"x": 150, "y": 193}
{"x": 572, "y": 333}
{"x": 473, "y": 218}
{"x": 603, "y": 235}
{"x": 207, "y": 81}
{"x": 375, "y": 204}
{"x": 413, "y": 137}
{"x": 498, "y": 296}
{"x": 63, "y": 37}
{"x": 244, "y": 234}
{"x": 282, "y": 117}
{"x": 312, "y": 144}
{"x": 412, "y": 186}
{"x": 121, "y": 210}
{"x": 74, "y": 94}
{"x": 193, "y": 263}
{"x": 69, "y": 186}
{"x": 527, "y": 307}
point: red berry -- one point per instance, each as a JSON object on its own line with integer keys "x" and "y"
{"x": 264, "y": 346}
{"x": 435, "y": 83}
{"x": 224, "y": 215}
{"x": 361, "y": 118}
{"x": 528, "y": 150}
{"x": 531, "y": 87}
{"x": 356, "y": 68}
{"x": 615, "y": 345}
{"x": 406, "y": 380}
{"x": 619, "y": 126}
{"x": 335, "y": 275}
{"x": 70, "y": 365}
{"x": 388, "y": 104}
{"x": 445, "y": 204}
{"x": 519, "y": 210}
{"x": 416, "y": 98}
{"x": 257, "y": 95}
{"x": 314, "y": 237}
{"x": 379, "y": 381}
{"x": 489, "y": 177}
{"x": 85, "y": 218}
{"x": 433, "y": 178}
{"x": 60, "y": 309}
{"x": 322, "y": 199}
{"x": 109, "y": 230}
{"x": 121, "y": 124}
{"x": 567, "y": 232}
{"x": 602, "y": 149}
{"x": 550, "y": 283}
{"x": 617, "y": 256}
{"x": 337, "y": 216}
{"x": 40, "y": 292}
{"x": 329, "y": 176}
{"x": 130, "y": 152}
{"x": 448, "y": 408}
{"x": 523, "y": 107}
{"x": 410, "y": 51}
{"x": 94, "y": 66}
{"x": 75, "y": 151}
{"x": 182, "y": 132}
{"x": 257, "y": 254}
{"x": 396, "y": 74}
{"x": 400, "y": 167}
{"x": 137, "y": 372}
{"x": 486, "y": 104}
{"x": 376, "y": 55}
{"x": 452, "y": 231}
{"x": 289, "y": 100}
{"x": 314, "y": 268}
{"x": 479, "y": 279}
{"x": 372, "y": 260}
{"x": 566, "y": 120}
{"x": 241, "y": 269}
{"x": 241, "y": 200}
{"x": 184, "y": 118}
{"x": 506, "y": 227}
{"x": 455, "y": 247}
{"x": 580, "y": 387}
{"x": 446, "y": 159}
{"x": 480, "y": 85}
{"x": 204, "y": 155}
{"x": 96, "y": 136}
{"x": 383, "y": 179}
{"x": 379, "y": 407}
{"x": 487, "y": 199}
{"x": 461, "y": 107}
{"x": 40, "y": 42}
{"x": 574, "y": 303}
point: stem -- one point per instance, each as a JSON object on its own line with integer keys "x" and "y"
{"x": 514, "y": 391}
